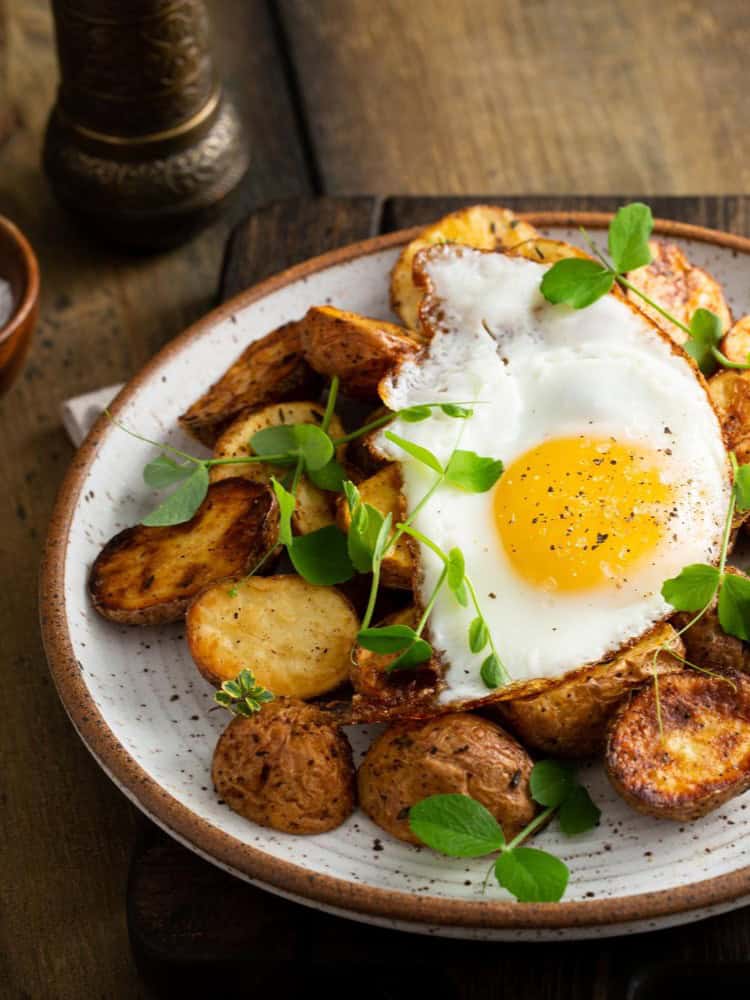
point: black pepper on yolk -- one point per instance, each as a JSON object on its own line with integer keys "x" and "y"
{"x": 575, "y": 513}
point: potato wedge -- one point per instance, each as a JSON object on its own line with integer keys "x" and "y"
{"x": 679, "y": 287}
{"x": 730, "y": 394}
{"x": 358, "y": 350}
{"x": 295, "y": 637}
{"x": 147, "y": 576}
{"x": 314, "y": 506}
{"x": 736, "y": 343}
{"x": 272, "y": 368}
{"x": 703, "y": 757}
{"x": 571, "y": 720}
{"x": 456, "y": 754}
{"x": 485, "y": 227}
{"x": 362, "y": 453}
{"x": 287, "y": 768}
{"x": 383, "y": 492}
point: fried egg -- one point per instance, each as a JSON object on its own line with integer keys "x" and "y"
{"x": 616, "y": 475}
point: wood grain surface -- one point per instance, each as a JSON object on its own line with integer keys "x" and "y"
{"x": 450, "y": 96}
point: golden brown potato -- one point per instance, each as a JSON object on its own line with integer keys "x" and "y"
{"x": 362, "y": 454}
{"x": 270, "y": 369}
{"x": 454, "y": 754}
{"x": 314, "y": 507}
{"x": 703, "y": 757}
{"x": 357, "y": 349}
{"x": 147, "y": 576}
{"x": 730, "y": 393}
{"x": 383, "y": 492}
{"x": 736, "y": 343}
{"x": 707, "y": 645}
{"x": 547, "y": 251}
{"x": 571, "y": 720}
{"x": 679, "y": 287}
{"x": 286, "y": 767}
{"x": 295, "y": 637}
{"x": 485, "y": 227}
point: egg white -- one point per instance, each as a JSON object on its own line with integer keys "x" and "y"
{"x": 541, "y": 372}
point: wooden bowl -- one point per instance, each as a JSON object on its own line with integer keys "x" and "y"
{"x": 19, "y": 267}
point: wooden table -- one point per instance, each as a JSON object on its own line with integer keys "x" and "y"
{"x": 430, "y": 96}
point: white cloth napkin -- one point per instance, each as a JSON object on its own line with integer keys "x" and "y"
{"x": 79, "y": 413}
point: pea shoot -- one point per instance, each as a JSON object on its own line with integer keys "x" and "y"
{"x": 243, "y": 696}
{"x": 461, "y": 827}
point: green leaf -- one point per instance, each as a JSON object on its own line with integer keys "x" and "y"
{"x": 693, "y": 588}
{"x": 416, "y": 451}
{"x": 578, "y": 813}
{"x": 321, "y": 557}
{"x": 164, "y": 471}
{"x": 551, "y": 782}
{"x": 420, "y": 651}
{"x": 387, "y": 638}
{"x": 383, "y": 535}
{"x": 280, "y": 440}
{"x": 742, "y": 487}
{"x": 181, "y": 505}
{"x": 363, "y": 536}
{"x": 478, "y": 635}
{"x": 705, "y": 334}
{"x": 415, "y": 414}
{"x": 629, "y": 234}
{"x": 734, "y": 606}
{"x": 455, "y": 576}
{"x": 473, "y": 473}
{"x": 454, "y": 410}
{"x": 456, "y": 825}
{"x": 576, "y": 282}
{"x": 491, "y": 672}
{"x": 287, "y": 504}
{"x": 314, "y": 445}
{"x": 331, "y": 477}
{"x": 532, "y": 876}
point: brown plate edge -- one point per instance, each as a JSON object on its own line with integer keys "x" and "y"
{"x": 250, "y": 861}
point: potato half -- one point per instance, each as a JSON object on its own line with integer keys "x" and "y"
{"x": 295, "y": 637}
{"x": 736, "y": 343}
{"x": 357, "y": 349}
{"x": 272, "y": 368}
{"x": 314, "y": 507}
{"x": 485, "y": 227}
{"x": 699, "y": 758}
{"x": 147, "y": 576}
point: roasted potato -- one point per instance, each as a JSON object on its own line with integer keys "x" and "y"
{"x": 314, "y": 508}
{"x": 707, "y": 645}
{"x": 270, "y": 369}
{"x": 383, "y": 492}
{"x": 736, "y": 343}
{"x": 679, "y": 287}
{"x": 730, "y": 393}
{"x": 147, "y": 576}
{"x": 460, "y": 754}
{"x": 699, "y": 757}
{"x": 357, "y": 349}
{"x": 380, "y": 695}
{"x": 362, "y": 454}
{"x": 547, "y": 251}
{"x": 286, "y": 767}
{"x": 485, "y": 227}
{"x": 295, "y": 637}
{"x": 570, "y": 720}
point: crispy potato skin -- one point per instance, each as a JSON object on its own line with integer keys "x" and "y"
{"x": 383, "y": 492}
{"x": 736, "y": 343}
{"x": 358, "y": 350}
{"x": 362, "y": 455}
{"x": 730, "y": 394}
{"x": 287, "y": 768}
{"x": 270, "y": 369}
{"x": 485, "y": 227}
{"x": 460, "y": 753}
{"x": 314, "y": 507}
{"x": 295, "y": 637}
{"x": 148, "y": 576}
{"x": 571, "y": 720}
{"x": 704, "y": 757}
{"x": 547, "y": 251}
{"x": 679, "y": 287}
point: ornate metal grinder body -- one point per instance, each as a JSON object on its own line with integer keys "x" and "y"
{"x": 142, "y": 142}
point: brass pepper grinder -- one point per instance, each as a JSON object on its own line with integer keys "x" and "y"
{"x": 142, "y": 142}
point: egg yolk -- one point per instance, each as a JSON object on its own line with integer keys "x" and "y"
{"x": 577, "y": 512}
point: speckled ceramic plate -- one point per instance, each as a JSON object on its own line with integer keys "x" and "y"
{"x": 143, "y": 710}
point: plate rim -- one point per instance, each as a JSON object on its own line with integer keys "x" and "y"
{"x": 252, "y": 861}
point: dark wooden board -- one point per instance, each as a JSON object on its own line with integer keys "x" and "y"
{"x": 190, "y": 923}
